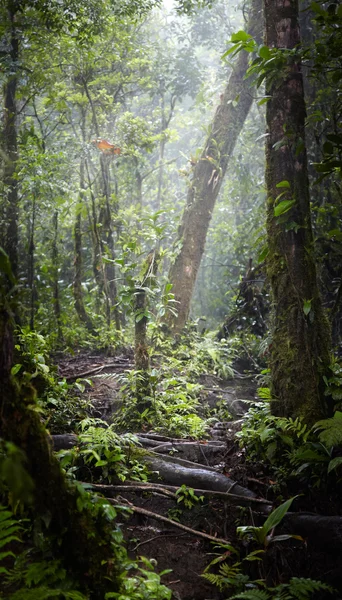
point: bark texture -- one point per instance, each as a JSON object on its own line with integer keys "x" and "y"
{"x": 9, "y": 205}
{"x": 77, "y": 282}
{"x": 208, "y": 174}
{"x": 300, "y": 347}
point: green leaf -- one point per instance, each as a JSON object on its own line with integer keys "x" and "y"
{"x": 283, "y": 184}
{"x": 264, "y": 252}
{"x": 240, "y": 36}
{"x": 277, "y": 516}
{"x": 334, "y": 463}
{"x": 265, "y": 52}
{"x": 15, "y": 369}
{"x": 5, "y": 265}
{"x": 283, "y": 207}
{"x": 264, "y": 100}
{"x": 307, "y": 307}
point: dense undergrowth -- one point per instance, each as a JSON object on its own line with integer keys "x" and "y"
{"x": 291, "y": 454}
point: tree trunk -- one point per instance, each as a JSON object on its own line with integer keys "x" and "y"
{"x": 141, "y": 354}
{"x": 300, "y": 349}
{"x": 31, "y": 263}
{"x": 207, "y": 178}
{"x": 79, "y": 539}
{"x": 108, "y": 268}
{"x": 9, "y": 216}
{"x": 55, "y": 273}
{"x": 77, "y": 283}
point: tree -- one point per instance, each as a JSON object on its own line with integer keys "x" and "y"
{"x": 299, "y": 355}
{"x": 208, "y": 174}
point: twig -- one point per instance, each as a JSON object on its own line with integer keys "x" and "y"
{"x": 95, "y": 370}
{"x": 151, "y": 515}
{"x": 156, "y": 537}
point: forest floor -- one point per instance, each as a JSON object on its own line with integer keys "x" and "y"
{"x": 187, "y": 553}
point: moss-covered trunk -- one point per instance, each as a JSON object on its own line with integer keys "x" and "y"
{"x": 83, "y": 542}
{"x": 208, "y": 175}
{"x": 300, "y": 346}
{"x": 141, "y": 350}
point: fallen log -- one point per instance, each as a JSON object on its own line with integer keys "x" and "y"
{"x": 198, "y": 476}
{"x": 325, "y": 532}
{"x": 175, "y": 471}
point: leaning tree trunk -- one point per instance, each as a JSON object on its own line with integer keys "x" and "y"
{"x": 207, "y": 178}
{"x": 299, "y": 354}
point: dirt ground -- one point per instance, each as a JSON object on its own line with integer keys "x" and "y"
{"x": 187, "y": 554}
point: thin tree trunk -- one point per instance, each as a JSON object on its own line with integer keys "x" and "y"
{"x": 109, "y": 270}
{"x": 300, "y": 347}
{"x": 55, "y": 284}
{"x": 77, "y": 283}
{"x": 31, "y": 265}
{"x": 208, "y": 175}
{"x": 141, "y": 353}
{"x": 10, "y": 201}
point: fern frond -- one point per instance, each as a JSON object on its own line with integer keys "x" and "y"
{"x": 252, "y": 595}
{"x": 107, "y": 376}
{"x": 302, "y": 588}
{"x": 331, "y": 430}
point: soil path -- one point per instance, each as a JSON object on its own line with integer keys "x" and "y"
{"x": 185, "y": 552}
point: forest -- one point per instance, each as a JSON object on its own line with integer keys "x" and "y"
{"x": 170, "y": 299}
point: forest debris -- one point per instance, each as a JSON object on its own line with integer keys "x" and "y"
{"x": 152, "y": 515}
{"x": 136, "y": 486}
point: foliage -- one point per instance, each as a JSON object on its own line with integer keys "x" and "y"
{"x": 33, "y": 574}
{"x": 233, "y": 570}
{"x": 173, "y": 405}
{"x": 261, "y": 534}
{"x": 61, "y": 404}
{"x": 187, "y": 496}
{"x": 102, "y": 455}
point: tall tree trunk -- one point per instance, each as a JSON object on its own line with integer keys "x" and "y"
{"x": 208, "y": 175}
{"x": 77, "y": 283}
{"x": 300, "y": 347}
{"x": 141, "y": 353}
{"x": 105, "y": 218}
{"x": 31, "y": 264}
{"x": 81, "y": 540}
{"x": 55, "y": 273}
{"x": 9, "y": 210}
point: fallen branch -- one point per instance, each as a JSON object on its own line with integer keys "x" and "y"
{"x": 169, "y": 490}
{"x": 151, "y": 515}
{"x": 96, "y": 371}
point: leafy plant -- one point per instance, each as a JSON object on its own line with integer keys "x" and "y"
{"x": 188, "y": 497}
{"x": 261, "y": 534}
{"x": 102, "y": 455}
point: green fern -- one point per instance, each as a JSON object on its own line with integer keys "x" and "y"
{"x": 253, "y": 595}
{"x": 9, "y": 532}
{"x": 331, "y": 430}
{"x": 301, "y": 588}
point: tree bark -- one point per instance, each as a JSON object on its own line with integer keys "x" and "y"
{"x": 77, "y": 283}
{"x": 9, "y": 216}
{"x": 299, "y": 355}
{"x": 208, "y": 175}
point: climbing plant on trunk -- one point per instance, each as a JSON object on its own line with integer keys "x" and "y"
{"x": 299, "y": 355}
